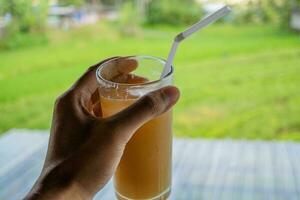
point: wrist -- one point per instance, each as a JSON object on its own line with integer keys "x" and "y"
{"x": 57, "y": 184}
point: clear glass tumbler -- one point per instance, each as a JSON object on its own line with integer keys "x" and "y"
{"x": 144, "y": 171}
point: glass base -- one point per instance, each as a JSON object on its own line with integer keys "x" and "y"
{"x": 163, "y": 196}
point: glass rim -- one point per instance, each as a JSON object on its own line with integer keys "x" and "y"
{"x": 163, "y": 61}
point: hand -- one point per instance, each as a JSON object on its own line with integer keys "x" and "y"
{"x": 85, "y": 149}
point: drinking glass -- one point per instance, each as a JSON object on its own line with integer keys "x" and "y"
{"x": 144, "y": 171}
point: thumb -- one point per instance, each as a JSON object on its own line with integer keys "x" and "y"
{"x": 149, "y": 106}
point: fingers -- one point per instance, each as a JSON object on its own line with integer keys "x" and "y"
{"x": 95, "y": 104}
{"x": 97, "y": 110}
{"x": 130, "y": 79}
{"x": 124, "y": 66}
{"x": 153, "y": 104}
{"x": 119, "y": 67}
{"x": 88, "y": 82}
{"x": 136, "y": 79}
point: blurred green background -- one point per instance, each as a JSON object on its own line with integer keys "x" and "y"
{"x": 239, "y": 78}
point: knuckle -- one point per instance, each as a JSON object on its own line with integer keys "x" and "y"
{"x": 117, "y": 136}
{"x": 113, "y": 131}
{"x": 59, "y": 100}
{"x": 91, "y": 68}
{"x": 65, "y": 99}
{"x": 153, "y": 103}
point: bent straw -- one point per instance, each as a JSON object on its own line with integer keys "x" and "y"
{"x": 181, "y": 36}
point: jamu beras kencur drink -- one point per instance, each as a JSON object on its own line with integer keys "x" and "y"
{"x": 144, "y": 171}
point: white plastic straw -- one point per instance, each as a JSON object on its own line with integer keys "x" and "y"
{"x": 199, "y": 25}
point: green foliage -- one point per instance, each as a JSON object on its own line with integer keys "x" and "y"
{"x": 71, "y": 2}
{"x": 174, "y": 12}
{"x": 26, "y": 18}
{"x": 238, "y": 82}
{"x": 108, "y": 2}
{"x": 129, "y": 21}
{"x": 268, "y": 12}
{"x": 15, "y": 41}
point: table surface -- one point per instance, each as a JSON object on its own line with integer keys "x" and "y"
{"x": 202, "y": 169}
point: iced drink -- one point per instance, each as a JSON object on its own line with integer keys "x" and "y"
{"x": 144, "y": 171}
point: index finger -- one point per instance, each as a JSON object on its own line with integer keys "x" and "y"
{"x": 87, "y": 84}
{"x": 121, "y": 65}
{"x": 118, "y": 67}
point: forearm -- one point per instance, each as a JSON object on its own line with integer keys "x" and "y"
{"x": 57, "y": 194}
{"x": 56, "y": 185}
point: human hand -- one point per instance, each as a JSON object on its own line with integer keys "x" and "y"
{"x": 85, "y": 149}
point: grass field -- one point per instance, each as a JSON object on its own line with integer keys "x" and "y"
{"x": 239, "y": 82}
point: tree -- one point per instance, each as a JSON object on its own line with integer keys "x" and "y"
{"x": 71, "y": 2}
{"x": 26, "y": 18}
{"x": 173, "y": 12}
{"x": 269, "y": 11}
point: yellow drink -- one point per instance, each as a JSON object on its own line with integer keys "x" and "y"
{"x": 144, "y": 171}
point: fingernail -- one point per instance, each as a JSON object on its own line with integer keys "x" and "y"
{"x": 172, "y": 93}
